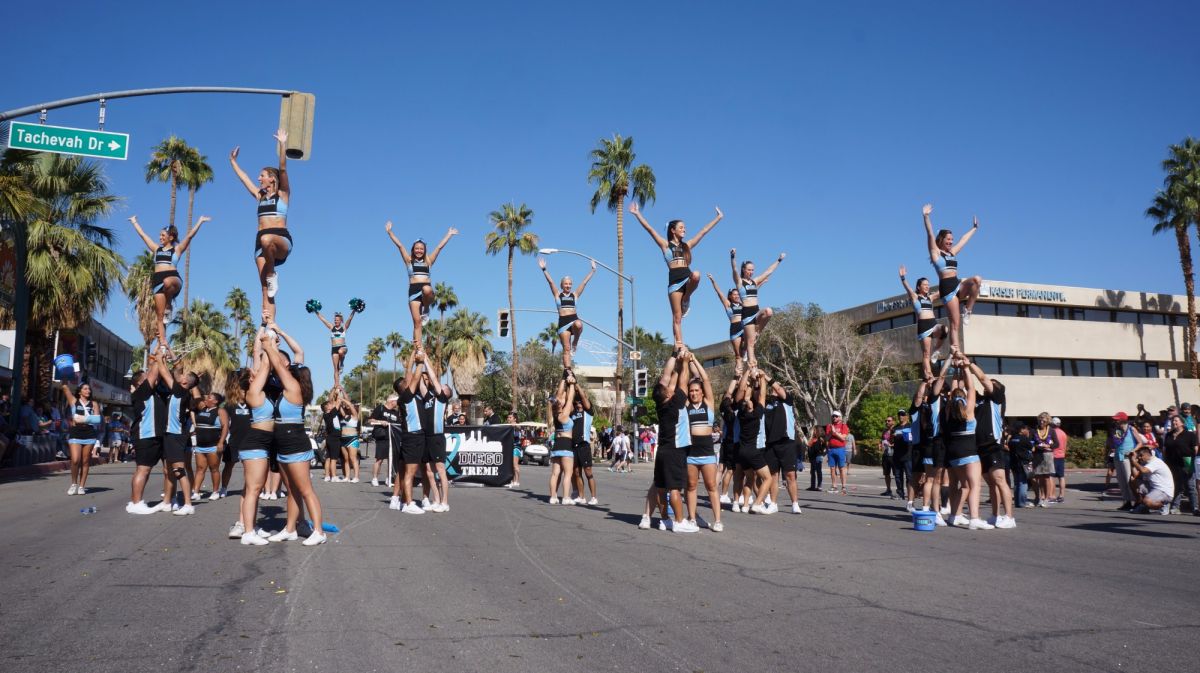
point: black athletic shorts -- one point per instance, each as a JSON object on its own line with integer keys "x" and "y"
{"x": 938, "y": 452}
{"x": 670, "y": 468}
{"x": 229, "y": 454}
{"x": 412, "y": 447}
{"x": 992, "y": 457}
{"x": 919, "y": 453}
{"x": 147, "y": 452}
{"x": 290, "y": 439}
{"x": 175, "y": 448}
{"x": 781, "y": 456}
{"x": 583, "y": 455}
{"x": 752, "y": 457}
{"x": 383, "y": 446}
{"x": 729, "y": 455}
{"x": 435, "y": 448}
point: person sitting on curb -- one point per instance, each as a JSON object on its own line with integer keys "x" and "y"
{"x": 1158, "y": 486}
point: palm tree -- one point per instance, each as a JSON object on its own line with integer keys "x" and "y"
{"x": 206, "y": 328}
{"x": 549, "y": 336}
{"x": 445, "y": 299}
{"x": 375, "y": 350}
{"x": 398, "y": 344}
{"x": 139, "y": 291}
{"x": 166, "y": 165}
{"x": 468, "y": 345}
{"x": 1170, "y": 214}
{"x": 1182, "y": 184}
{"x": 70, "y": 266}
{"x": 616, "y": 178}
{"x": 238, "y": 305}
{"x": 195, "y": 173}
{"x": 510, "y": 223}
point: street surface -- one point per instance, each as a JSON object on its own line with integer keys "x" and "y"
{"x": 506, "y": 582}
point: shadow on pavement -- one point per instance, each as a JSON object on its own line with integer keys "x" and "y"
{"x": 1126, "y": 529}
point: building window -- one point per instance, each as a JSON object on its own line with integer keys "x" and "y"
{"x": 989, "y": 365}
{"x": 1015, "y": 367}
{"x": 1152, "y": 318}
{"x": 1133, "y": 369}
{"x": 1046, "y": 367}
{"x": 1077, "y": 367}
{"x": 1102, "y": 368}
{"x": 902, "y": 320}
{"x": 1097, "y": 315}
{"x": 1127, "y": 317}
{"x": 1006, "y": 310}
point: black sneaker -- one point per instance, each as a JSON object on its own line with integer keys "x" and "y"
{"x": 1125, "y": 508}
{"x": 887, "y": 493}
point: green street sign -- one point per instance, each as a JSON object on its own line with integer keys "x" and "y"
{"x": 63, "y": 140}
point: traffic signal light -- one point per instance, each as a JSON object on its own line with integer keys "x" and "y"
{"x": 90, "y": 354}
{"x": 296, "y": 117}
{"x": 502, "y": 321}
{"x": 641, "y": 382}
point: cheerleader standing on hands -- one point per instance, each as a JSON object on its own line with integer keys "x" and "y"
{"x": 166, "y": 281}
{"x": 570, "y": 327}
{"x": 273, "y": 242}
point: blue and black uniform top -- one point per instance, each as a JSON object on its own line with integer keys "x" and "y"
{"x": 208, "y": 427}
{"x": 287, "y": 412}
{"x": 581, "y": 428}
{"x": 945, "y": 260}
{"x": 923, "y": 303}
{"x": 165, "y": 256}
{"x": 734, "y": 311}
{"x": 700, "y": 416}
{"x": 989, "y": 412}
{"x": 780, "y": 419}
{"x": 150, "y": 413}
{"x": 272, "y": 206}
{"x": 411, "y": 404}
{"x": 179, "y": 403}
{"x": 433, "y": 411}
{"x": 418, "y": 267}
{"x": 239, "y": 423}
{"x": 674, "y": 431}
{"x": 566, "y": 300}
{"x": 749, "y": 289}
{"x": 675, "y": 252}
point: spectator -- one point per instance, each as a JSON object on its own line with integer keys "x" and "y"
{"x": 1123, "y": 440}
{"x": 1158, "y": 486}
{"x": 1179, "y": 452}
{"x": 885, "y": 446}
{"x": 1142, "y": 415}
{"x": 621, "y": 449}
{"x": 902, "y": 457}
{"x": 1020, "y": 458}
{"x": 817, "y": 447}
{"x": 1045, "y": 441}
{"x": 28, "y": 422}
{"x": 5, "y": 407}
{"x": 1150, "y": 439}
{"x": 489, "y": 416}
{"x": 1060, "y": 460}
{"x": 1189, "y": 421}
{"x": 837, "y": 437}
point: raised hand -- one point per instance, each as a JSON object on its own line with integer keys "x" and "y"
{"x": 732, "y": 253}
{"x": 388, "y": 226}
{"x": 782, "y": 255}
{"x": 203, "y": 219}
{"x": 452, "y": 231}
{"x": 926, "y": 209}
{"x": 633, "y": 207}
{"x": 542, "y": 263}
{"x": 233, "y": 154}
{"x": 593, "y": 265}
{"x": 903, "y": 271}
{"x": 134, "y": 220}
{"x": 719, "y": 213}
{"x": 282, "y": 136}
{"x": 974, "y": 222}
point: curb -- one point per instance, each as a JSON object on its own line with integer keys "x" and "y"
{"x": 39, "y": 470}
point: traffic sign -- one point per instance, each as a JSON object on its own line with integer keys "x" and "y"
{"x": 63, "y": 140}
{"x": 635, "y": 355}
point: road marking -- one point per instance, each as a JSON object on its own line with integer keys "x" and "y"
{"x": 1158, "y": 626}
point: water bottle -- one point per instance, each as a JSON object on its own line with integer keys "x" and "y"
{"x": 87, "y": 510}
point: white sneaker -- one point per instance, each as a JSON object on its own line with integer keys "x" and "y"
{"x": 593, "y": 501}
{"x": 328, "y": 478}
{"x": 224, "y": 493}
{"x": 772, "y": 508}
{"x": 215, "y": 495}
{"x": 425, "y": 503}
{"x": 737, "y": 508}
{"x": 264, "y": 496}
{"x": 960, "y": 520}
{"x": 394, "y": 503}
{"x": 516, "y": 484}
{"x": 945, "y": 511}
{"x": 580, "y": 501}
{"x": 315, "y": 539}
{"x": 665, "y": 524}
{"x": 717, "y": 527}
{"x": 374, "y": 482}
{"x": 184, "y": 511}
{"x": 412, "y": 508}
{"x": 759, "y": 509}
{"x": 72, "y": 489}
{"x": 644, "y": 524}
{"x": 283, "y": 536}
{"x": 196, "y": 496}
{"x": 352, "y": 481}
{"x": 725, "y": 500}
{"x": 909, "y": 507}
{"x": 938, "y": 520}
{"x": 686, "y": 526}
{"x": 795, "y": 508}
{"x": 980, "y": 524}
{"x": 1006, "y": 522}
{"x": 553, "y": 501}
{"x": 568, "y": 501}
{"x": 236, "y": 531}
{"x": 273, "y": 496}
{"x": 161, "y": 507}
{"x": 253, "y": 538}
{"x": 138, "y": 508}
{"x": 272, "y": 285}
{"x": 80, "y": 491}
{"x": 966, "y": 317}
{"x": 338, "y": 480}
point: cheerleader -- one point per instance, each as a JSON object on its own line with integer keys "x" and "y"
{"x": 85, "y": 424}
{"x": 420, "y": 286}
{"x": 570, "y": 327}
{"x": 753, "y": 319}
{"x": 562, "y": 456}
{"x": 957, "y": 295}
{"x": 337, "y": 337}
{"x": 209, "y": 421}
{"x": 732, "y": 301}
{"x": 166, "y": 282}
{"x": 930, "y": 332}
{"x": 272, "y": 242}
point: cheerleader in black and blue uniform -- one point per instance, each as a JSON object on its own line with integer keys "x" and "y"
{"x": 166, "y": 282}
{"x": 570, "y": 327}
{"x": 210, "y": 421}
{"x": 272, "y": 241}
{"x": 754, "y": 320}
{"x": 81, "y": 438}
{"x": 677, "y": 252}
{"x": 701, "y": 454}
{"x": 732, "y": 301}
{"x": 420, "y": 287}
{"x": 958, "y": 294}
{"x": 930, "y": 331}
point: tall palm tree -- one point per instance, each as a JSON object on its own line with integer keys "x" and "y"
{"x": 206, "y": 327}
{"x": 616, "y": 178}
{"x": 398, "y": 344}
{"x": 549, "y": 336}
{"x": 510, "y": 235}
{"x": 238, "y": 305}
{"x": 468, "y": 346}
{"x": 166, "y": 165}
{"x": 195, "y": 173}
{"x": 140, "y": 292}
{"x": 445, "y": 299}
{"x": 70, "y": 264}
{"x": 375, "y": 350}
{"x": 1182, "y": 183}
{"x": 1170, "y": 215}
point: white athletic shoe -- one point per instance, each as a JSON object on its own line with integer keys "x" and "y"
{"x": 980, "y": 524}
{"x": 568, "y": 501}
{"x": 966, "y": 317}
{"x": 138, "y": 508}
{"x": 236, "y": 531}
{"x": 553, "y": 501}
{"x": 339, "y": 479}
{"x": 283, "y": 536}
{"x": 725, "y": 500}
{"x": 686, "y": 526}
{"x": 394, "y": 503}
{"x": 1006, "y": 522}
{"x": 374, "y": 482}
{"x": 516, "y": 484}
{"x": 665, "y": 524}
{"x": 184, "y": 511}
{"x": 215, "y": 495}
{"x": 593, "y": 501}
{"x": 580, "y": 501}
{"x": 81, "y": 491}
{"x": 737, "y": 508}
{"x": 272, "y": 285}
{"x": 772, "y": 508}
{"x": 445, "y": 508}
{"x": 759, "y": 509}
{"x": 645, "y": 523}
{"x": 162, "y": 507}
{"x": 354, "y": 480}
{"x": 224, "y": 493}
{"x": 72, "y": 489}
{"x": 315, "y": 539}
{"x": 909, "y": 506}
{"x": 412, "y": 508}
{"x": 945, "y": 511}
{"x": 273, "y": 496}
{"x": 717, "y": 527}
{"x": 328, "y": 478}
{"x": 424, "y": 503}
{"x": 685, "y": 306}
{"x": 196, "y": 495}
{"x": 960, "y": 520}
{"x": 939, "y": 520}
{"x": 253, "y": 538}
{"x": 795, "y": 508}
{"x": 264, "y": 496}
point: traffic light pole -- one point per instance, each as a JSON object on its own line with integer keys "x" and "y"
{"x": 129, "y": 93}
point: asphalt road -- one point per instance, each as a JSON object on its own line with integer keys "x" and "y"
{"x": 506, "y": 582}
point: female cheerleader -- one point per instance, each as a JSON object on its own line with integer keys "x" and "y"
{"x": 210, "y": 421}
{"x": 754, "y": 320}
{"x": 955, "y": 293}
{"x": 348, "y": 415}
{"x": 962, "y": 454}
{"x": 677, "y": 252}
{"x": 562, "y": 456}
{"x": 420, "y": 288}
{"x": 273, "y": 242}
{"x": 701, "y": 458}
{"x": 85, "y": 424}
{"x": 732, "y": 301}
{"x": 569, "y": 324}
{"x": 166, "y": 282}
{"x": 337, "y": 337}
{"x": 751, "y": 399}
{"x": 256, "y": 448}
{"x": 237, "y": 413}
{"x": 291, "y": 442}
{"x": 930, "y": 332}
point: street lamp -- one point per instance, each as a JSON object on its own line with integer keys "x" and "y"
{"x": 632, "y": 308}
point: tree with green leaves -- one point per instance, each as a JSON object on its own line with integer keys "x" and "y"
{"x": 444, "y": 299}
{"x": 203, "y": 331}
{"x": 510, "y": 236}
{"x": 1176, "y": 207}
{"x": 468, "y": 346}
{"x": 166, "y": 165}
{"x": 549, "y": 336}
{"x": 616, "y": 179}
{"x": 194, "y": 173}
{"x": 375, "y": 350}
{"x": 139, "y": 289}
{"x": 237, "y": 302}
{"x": 399, "y": 345}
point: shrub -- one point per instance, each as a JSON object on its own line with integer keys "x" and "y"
{"x": 1088, "y": 453}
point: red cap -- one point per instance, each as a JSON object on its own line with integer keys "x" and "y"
{"x": 1120, "y": 416}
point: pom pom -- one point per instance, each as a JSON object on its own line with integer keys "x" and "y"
{"x": 357, "y": 305}
{"x": 312, "y": 306}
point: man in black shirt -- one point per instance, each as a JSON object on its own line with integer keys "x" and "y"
{"x": 149, "y": 425}
{"x": 383, "y": 418}
{"x": 670, "y": 461}
{"x": 489, "y": 416}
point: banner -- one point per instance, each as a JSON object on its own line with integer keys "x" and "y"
{"x": 481, "y": 454}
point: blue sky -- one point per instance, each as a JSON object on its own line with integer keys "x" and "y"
{"x": 820, "y": 130}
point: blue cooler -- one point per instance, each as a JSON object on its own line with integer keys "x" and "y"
{"x": 65, "y": 368}
{"x": 924, "y": 521}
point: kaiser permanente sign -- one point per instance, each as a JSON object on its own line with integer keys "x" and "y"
{"x": 990, "y": 291}
{"x": 63, "y": 140}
